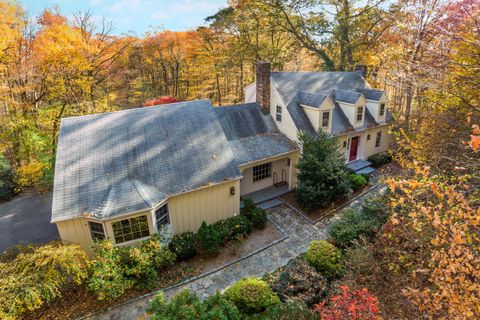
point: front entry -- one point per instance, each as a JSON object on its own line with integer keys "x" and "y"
{"x": 353, "y": 149}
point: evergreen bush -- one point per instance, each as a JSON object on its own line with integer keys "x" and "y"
{"x": 357, "y": 181}
{"x": 380, "y": 159}
{"x": 251, "y": 295}
{"x": 259, "y": 218}
{"x": 7, "y": 179}
{"x": 322, "y": 174}
{"x": 183, "y": 245}
{"x": 233, "y": 228}
{"x": 208, "y": 240}
{"x": 325, "y": 258}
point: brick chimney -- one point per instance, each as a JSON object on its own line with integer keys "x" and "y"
{"x": 362, "y": 69}
{"x": 263, "y": 85}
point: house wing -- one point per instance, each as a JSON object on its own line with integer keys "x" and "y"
{"x": 111, "y": 163}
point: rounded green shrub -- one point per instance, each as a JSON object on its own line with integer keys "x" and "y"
{"x": 380, "y": 159}
{"x": 208, "y": 240}
{"x": 183, "y": 245}
{"x": 233, "y": 228}
{"x": 259, "y": 218}
{"x": 217, "y": 307}
{"x": 357, "y": 181}
{"x": 251, "y": 295}
{"x": 248, "y": 205}
{"x": 325, "y": 258}
{"x": 183, "y": 305}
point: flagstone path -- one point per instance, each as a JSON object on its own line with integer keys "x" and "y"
{"x": 300, "y": 233}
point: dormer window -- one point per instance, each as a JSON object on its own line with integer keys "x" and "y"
{"x": 382, "y": 109}
{"x": 325, "y": 119}
{"x": 359, "y": 114}
{"x": 279, "y": 114}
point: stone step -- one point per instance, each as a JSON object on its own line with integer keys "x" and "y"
{"x": 358, "y": 165}
{"x": 366, "y": 170}
{"x": 270, "y": 204}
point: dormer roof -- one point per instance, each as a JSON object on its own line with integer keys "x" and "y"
{"x": 347, "y": 96}
{"x": 371, "y": 94}
{"x": 310, "y": 99}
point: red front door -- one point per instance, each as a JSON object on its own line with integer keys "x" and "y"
{"x": 353, "y": 149}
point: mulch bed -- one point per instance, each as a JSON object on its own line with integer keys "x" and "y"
{"x": 325, "y": 212}
{"x": 78, "y": 301}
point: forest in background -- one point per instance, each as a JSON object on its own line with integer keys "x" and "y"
{"x": 424, "y": 53}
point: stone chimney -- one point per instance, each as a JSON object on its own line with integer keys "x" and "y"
{"x": 263, "y": 85}
{"x": 362, "y": 69}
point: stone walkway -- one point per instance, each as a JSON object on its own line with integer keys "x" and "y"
{"x": 300, "y": 233}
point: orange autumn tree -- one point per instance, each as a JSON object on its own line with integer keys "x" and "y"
{"x": 434, "y": 234}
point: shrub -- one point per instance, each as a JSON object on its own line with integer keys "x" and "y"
{"x": 251, "y": 295}
{"x": 248, "y": 207}
{"x": 38, "y": 275}
{"x": 217, "y": 307}
{"x": 299, "y": 282}
{"x": 322, "y": 174}
{"x": 288, "y": 311}
{"x": 187, "y": 305}
{"x": 259, "y": 218}
{"x": 380, "y": 159}
{"x": 184, "y": 305}
{"x": 357, "y": 181}
{"x": 183, "y": 245}
{"x": 325, "y": 258}
{"x": 208, "y": 239}
{"x": 7, "y": 179}
{"x": 117, "y": 269}
{"x": 376, "y": 209}
{"x": 233, "y": 228}
{"x": 107, "y": 280}
{"x": 351, "y": 226}
{"x": 351, "y": 304}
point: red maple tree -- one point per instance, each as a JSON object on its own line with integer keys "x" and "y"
{"x": 161, "y": 100}
{"x": 350, "y": 304}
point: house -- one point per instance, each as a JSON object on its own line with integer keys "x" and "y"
{"x": 339, "y": 103}
{"x": 124, "y": 175}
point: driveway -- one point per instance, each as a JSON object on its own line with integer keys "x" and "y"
{"x": 26, "y": 219}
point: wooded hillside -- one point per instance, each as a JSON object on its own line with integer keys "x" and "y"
{"x": 425, "y": 54}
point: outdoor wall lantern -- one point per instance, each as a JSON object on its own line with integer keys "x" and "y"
{"x": 232, "y": 191}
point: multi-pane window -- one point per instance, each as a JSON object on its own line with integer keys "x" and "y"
{"x": 359, "y": 114}
{"x": 130, "y": 229}
{"x": 325, "y": 119}
{"x": 368, "y": 137}
{"x": 378, "y": 139}
{"x": 96, "y": 230}
{"x": 162, "y": 217}
{"x": 279, "y": 114}
{"x": 382, "y": 109}
{"x": 262, "y": 171}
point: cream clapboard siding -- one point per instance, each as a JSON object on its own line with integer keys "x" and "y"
{"x": 189, "y": 210}
{"x": 366, "y": 147}
{"x": 247, "y": 185}
{"x": 76, "y": 231}
{"x": 286, "y": 126}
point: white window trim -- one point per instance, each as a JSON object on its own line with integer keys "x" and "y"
{"x": 154, "y": 216}
{"x": 356, "y": 114}
{"x": 277, "y": 113}
{"x": 99, "y": 222}
{"x": 329, "y": 116}
{"x": 380, "y": 108}
{"x": 380, "y": 140}
{"x": 145, "y": 213}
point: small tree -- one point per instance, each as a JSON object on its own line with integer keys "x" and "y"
{"x": 322, "y": 174}
{"x": 351, "y": 304}
{"x": 39, "y": 275}
{"x": 208, "y": 239}
{"x": 7, "y": 179}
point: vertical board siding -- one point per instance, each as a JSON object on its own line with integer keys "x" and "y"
{"x": 189, "y": 210}
{"x": 76, "y": 231}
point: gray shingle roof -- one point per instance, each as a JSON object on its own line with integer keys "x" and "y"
{"x": 371, "y": 94}
{"x": 252, "y": 135}
{"x": 113, "y": 163}
{"x": 295, "y": 87}
{"x": 310, "y": 99}
{"x": 346, "y": 96}
{"x": 288, "y": 84}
